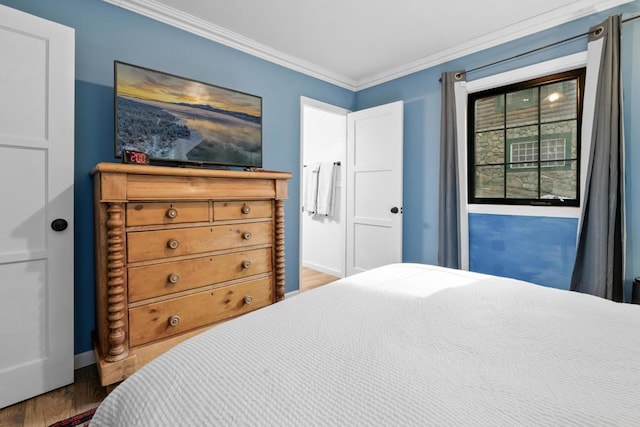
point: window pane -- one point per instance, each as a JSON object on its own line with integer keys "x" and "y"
{"x": 489, "y": 113}
{"x": 522, "y": 107}
{"x": 566, "y": 131}
{"x": 559, "y": 183}
{"x": 526, "y": 132}
{"x": 559, "y": 101}
{"x": 523, "y": 146}
{"x": 489, "y": 147}
{"x": 552, "y": 152}
{"x": 489, "y": 181}
{"x": 524, "y": 154}
{"x": 522, "y": 184}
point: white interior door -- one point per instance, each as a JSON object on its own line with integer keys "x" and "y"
{"x": 374, "y": 187}
{"x": 36, "y": 187}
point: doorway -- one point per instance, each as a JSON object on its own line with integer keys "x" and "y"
{"x": 322, "y": 237}
{"x": 364, "y": 151}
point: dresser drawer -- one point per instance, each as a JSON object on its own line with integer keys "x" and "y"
{"x": 164, "y": 319}
{"x": 166, "y": 213}
{"x": 149, "y": 245}
{"x": 242, "y": 210}
{"x": 162, "y": 279}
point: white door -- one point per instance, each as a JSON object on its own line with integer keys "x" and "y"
{"x": 36, "y": 187}
{"x": 374, "y": 187}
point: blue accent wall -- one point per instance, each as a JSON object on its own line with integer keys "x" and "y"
{"x": 536, "y": 249}
{"x": 421, "y": 94}
{"x": 105, "y": 33}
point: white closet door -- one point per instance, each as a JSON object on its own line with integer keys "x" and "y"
{"x": 36, "y": 188}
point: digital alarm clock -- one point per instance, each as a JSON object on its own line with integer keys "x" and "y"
{"x": 137, "y": 157}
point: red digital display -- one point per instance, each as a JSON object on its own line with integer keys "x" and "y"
{"x": 137, "y": 157}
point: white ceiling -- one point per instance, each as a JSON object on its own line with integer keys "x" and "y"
{"x": 359, "y": 43}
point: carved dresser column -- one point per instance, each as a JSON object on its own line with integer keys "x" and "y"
{"x": 116, "y": 301}
{"x": 279, "y": 250}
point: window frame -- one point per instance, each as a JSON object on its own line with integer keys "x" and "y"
{"x": 578, "y": 74}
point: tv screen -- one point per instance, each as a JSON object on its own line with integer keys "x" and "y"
{"x": 179, "y": 120}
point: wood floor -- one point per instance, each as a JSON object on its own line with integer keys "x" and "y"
{"x": 86, "y": 393}
{"x": 41, "y": 411}
{"x": 312, "y": 279}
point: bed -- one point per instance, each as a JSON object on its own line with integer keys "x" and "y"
{"x": 404, "y": 344}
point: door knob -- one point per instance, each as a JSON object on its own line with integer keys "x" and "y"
{"x": 59, "y": 224}
{"x": 395, "y": 210}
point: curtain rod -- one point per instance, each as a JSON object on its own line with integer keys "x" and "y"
{"x": 539, "y": 48}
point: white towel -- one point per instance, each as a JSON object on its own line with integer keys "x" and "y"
{"x": 326, "y": 189}
{"x": 310, "y": 187}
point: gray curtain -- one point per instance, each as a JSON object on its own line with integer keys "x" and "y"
{"x": 599, "y": 265}
{"x": 448, "y": 220}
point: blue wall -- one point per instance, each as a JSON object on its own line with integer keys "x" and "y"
{"x": 421, "y": 93}
{"x": 536, "y": 249}
{"x": 105, "y": 33}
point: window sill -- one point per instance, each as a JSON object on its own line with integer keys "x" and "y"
{"x": 526, "y": 210}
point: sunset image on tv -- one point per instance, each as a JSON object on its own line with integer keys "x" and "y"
{"x": 172, "y": 118}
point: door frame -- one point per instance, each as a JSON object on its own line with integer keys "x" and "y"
{"x": 313, "y": 103}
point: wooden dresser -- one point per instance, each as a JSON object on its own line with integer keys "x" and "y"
{"x": 177, "y": 251}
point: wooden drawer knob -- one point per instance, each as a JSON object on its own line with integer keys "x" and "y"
{"x": 246, "y": 235}
{"x": 173, "y": 244}
{"x": 173, "y": 278}
{"x": 246, "y": 265}
{"x": 174, "y": 320}
{"x": 246, "y": 209}
{"x": 248, "y": 299}
{"x": 172, "y": 213}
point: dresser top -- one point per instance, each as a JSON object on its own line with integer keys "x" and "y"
{"x": 186, "y": 171}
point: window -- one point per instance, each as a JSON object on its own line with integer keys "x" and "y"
{"x": 524, "y": 142}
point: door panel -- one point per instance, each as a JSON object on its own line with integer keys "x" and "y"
{"x": 377, "y": 240}
{"x": 24, "y": 227}
{"x": 374, "y": 187}
{"x": 36, "y": 187}
{"x": 367, "y": 203}
{"x": 374, "y": 139}
{"x": 28, "y": 54}
{"x": 28, "y": 343}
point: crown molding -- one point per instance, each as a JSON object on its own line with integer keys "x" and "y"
{"x": 176, "y": 18}
{"x": 525, "y": 28}
{"x": 184, "y": 21}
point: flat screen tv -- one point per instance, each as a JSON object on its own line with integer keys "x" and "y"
{"x": 177, "y": 120}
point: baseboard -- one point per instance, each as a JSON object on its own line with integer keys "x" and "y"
{"x": 81, "y": 360}
{"x": 291, "y": 294}
{"x": 322, "y": 268}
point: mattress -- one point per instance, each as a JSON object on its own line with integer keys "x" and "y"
{"x": 404, "y": 344}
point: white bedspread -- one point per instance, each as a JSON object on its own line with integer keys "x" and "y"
{"x": 401, "y": 345}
